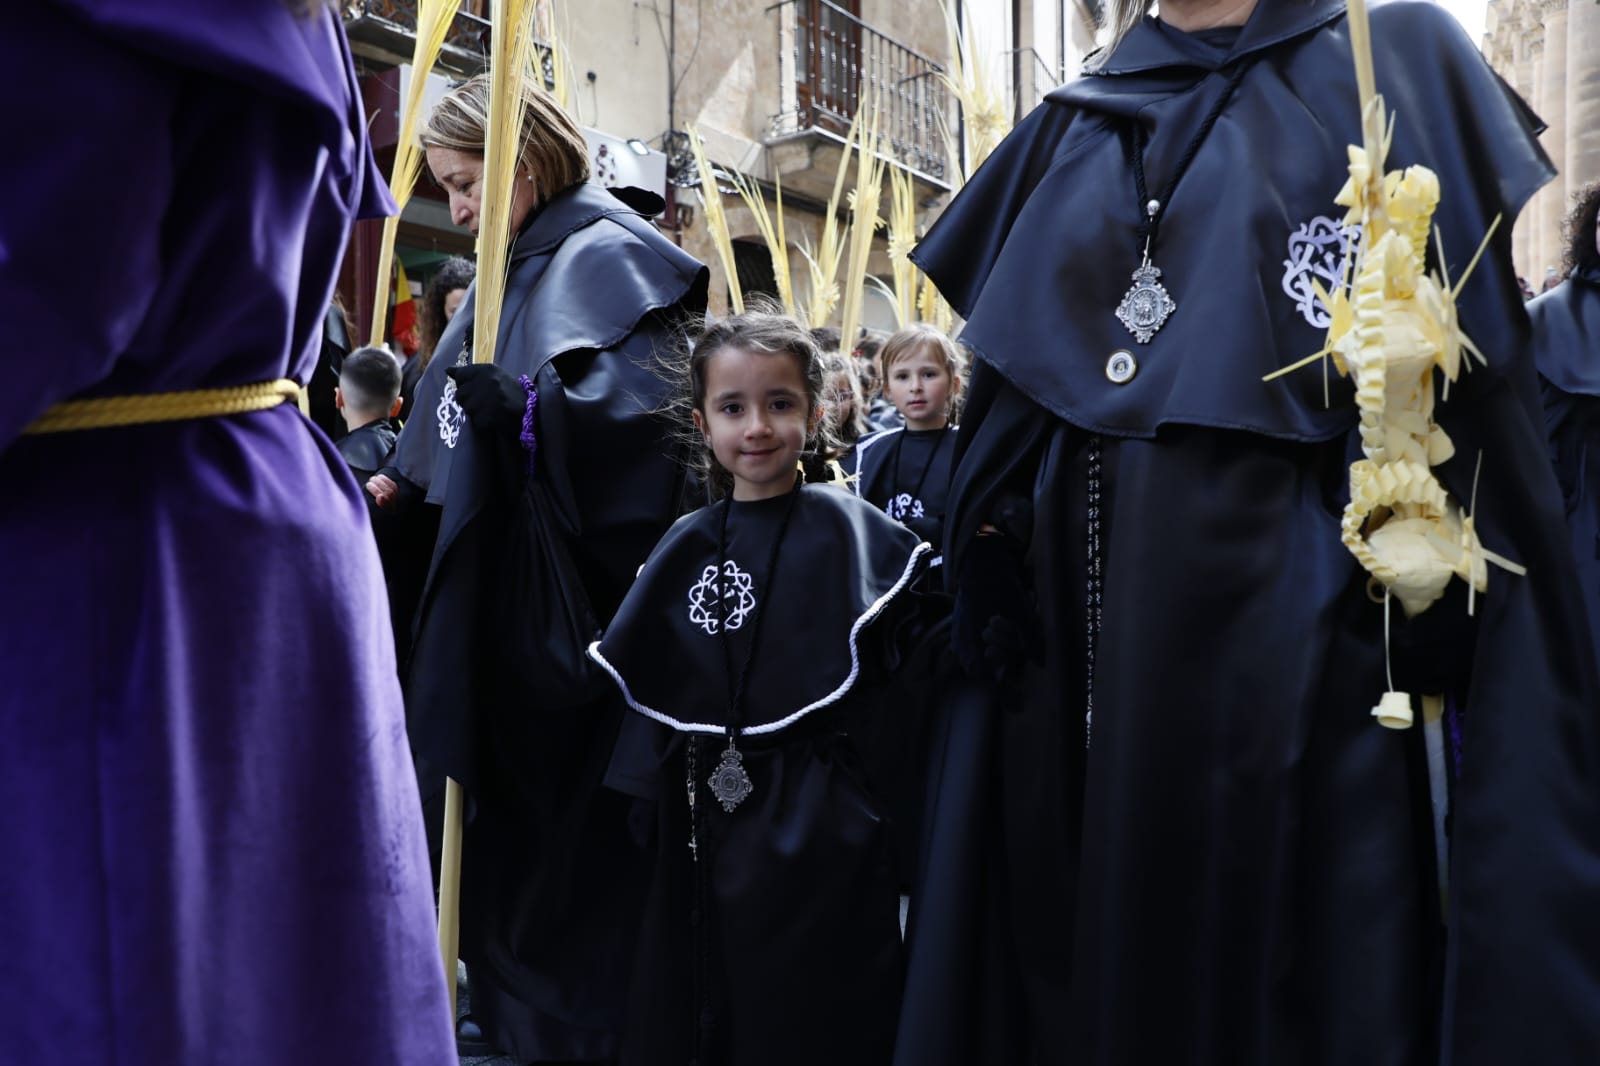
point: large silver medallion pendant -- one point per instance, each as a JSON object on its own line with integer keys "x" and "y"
{"x": 729, "y": 783}
{"x": 1146, "y": 307}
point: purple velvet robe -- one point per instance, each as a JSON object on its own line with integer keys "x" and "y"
{"x": 209, "y": 826}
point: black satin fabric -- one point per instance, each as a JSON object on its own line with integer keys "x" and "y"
{"x": 780, "y": 944}
{"x": 366, "y": 448}
{"x": 1040, "y": 246}
{"x": 776, "y": 942}
{"x": 1566, "y": 349}
{"x": 1566, "y": 330}
{"x": 916, "y": 463}
{"x": 531, "y": 559}
{"x": 1236, "y": 864}
{"x": 886, "y": 464}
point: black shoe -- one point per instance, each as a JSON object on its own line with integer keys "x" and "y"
{"x": 471, "y": 1041}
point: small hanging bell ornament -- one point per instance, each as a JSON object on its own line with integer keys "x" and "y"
{"x": 1394, "y": 711}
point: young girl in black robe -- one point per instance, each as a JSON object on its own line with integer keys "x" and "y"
{"x": 905, "y": 472}
{"x": 772, "y": 932}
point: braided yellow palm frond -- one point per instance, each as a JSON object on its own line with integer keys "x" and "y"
{"x": 510, "y": 69}
{"x": 716, "y": 219}
{"x": 979, "y": 91}
{"x": 546, "y": 29}
{"x": 822, "y": 260}
{"x": 902, "y": 239}
{"x": 433, "y": 23}
{"x": 864, "y": 221}
{"x": 771, "y": 233}
{"x": 1392, "y": 326}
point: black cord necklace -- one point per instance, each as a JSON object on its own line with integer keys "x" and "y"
{"x": 729, "y": 782}
{"x": 1146, "y": 306}
{"x": 896, "y": 509}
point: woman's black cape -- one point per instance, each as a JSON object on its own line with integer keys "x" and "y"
{"x": 1239, "y": 868}
{"x": 526, "y": 569}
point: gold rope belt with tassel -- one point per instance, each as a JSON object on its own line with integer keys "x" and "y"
{"x": 102, "y": 412}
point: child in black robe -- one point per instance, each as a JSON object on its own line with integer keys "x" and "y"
{"x": 905, "y": 471}
{"x": 772, "y": 932}
{"x": 368, "y": 399}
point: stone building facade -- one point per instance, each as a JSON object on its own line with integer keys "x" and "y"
{"x": 1549, "y": 50}
{"x": 770, "y": 87}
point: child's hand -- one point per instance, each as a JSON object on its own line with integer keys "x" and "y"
{"x": 383, "y": 491}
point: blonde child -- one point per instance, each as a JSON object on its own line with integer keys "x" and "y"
{"x": 906, "y": 470}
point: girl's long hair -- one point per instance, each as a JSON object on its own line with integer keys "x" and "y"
{"x": 455, "y": 273}
{"x": 763, "y": 327}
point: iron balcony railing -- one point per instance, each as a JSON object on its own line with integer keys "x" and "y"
{"x": 829, "y": 62}
{"x": 392, "y": 25}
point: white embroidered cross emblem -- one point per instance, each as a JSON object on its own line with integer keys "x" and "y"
{"x": 707, "y": 595}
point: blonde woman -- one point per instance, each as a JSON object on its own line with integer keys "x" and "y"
{"x": 555, "y": 480}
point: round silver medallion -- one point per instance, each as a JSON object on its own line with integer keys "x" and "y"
{"x": 1121, "y": 366}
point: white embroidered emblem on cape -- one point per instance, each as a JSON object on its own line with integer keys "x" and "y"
{"x": 903, "y": 506}
{"x": 451, "y": 416}
{"x": 1317, "y": 251}
{"x": 705, "y": 598}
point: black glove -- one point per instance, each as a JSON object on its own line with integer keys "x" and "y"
{"x": 491, "y": 398}
{"x": 994, "y": 628}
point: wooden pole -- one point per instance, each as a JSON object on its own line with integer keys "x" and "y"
{"x": 450, "y": 888}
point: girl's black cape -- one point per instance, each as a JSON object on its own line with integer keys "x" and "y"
{"x": 843, "y": 563}
{"x": 906, "y": 473}
{"x": 1232, "y": 862}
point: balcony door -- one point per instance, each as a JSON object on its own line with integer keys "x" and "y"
{"x": 830, "y": 36}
